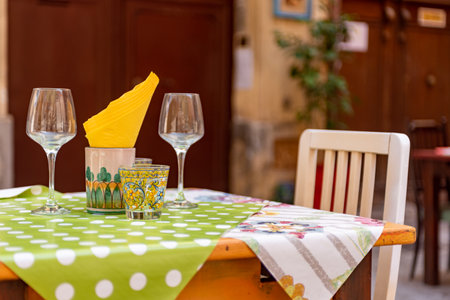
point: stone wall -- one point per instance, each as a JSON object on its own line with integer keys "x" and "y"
{"x": 6, "y": 152}
{"x": 6, "y": 121}
{"x": 3, "y": 58}
{"x": 265, "y": 132}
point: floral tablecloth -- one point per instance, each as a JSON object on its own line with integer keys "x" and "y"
{"x": 310, "y": 252}
{"x": 82, "y": 256}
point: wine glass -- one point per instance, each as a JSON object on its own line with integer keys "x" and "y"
{"x": 181, "y": 125}
{"x": 51, "y": 123}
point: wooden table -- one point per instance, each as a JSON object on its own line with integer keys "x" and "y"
{"x": 432, "y": 159}
{"x": 233, "y": 271}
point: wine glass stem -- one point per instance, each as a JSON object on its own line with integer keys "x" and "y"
{"x": 51, "y": 157}
{"x": 181, "y": 154}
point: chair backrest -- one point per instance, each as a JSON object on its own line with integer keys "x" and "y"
{"x": 349, "y": 171}
{"x": 425, "y": 134}
{"x": 428, "y": 133}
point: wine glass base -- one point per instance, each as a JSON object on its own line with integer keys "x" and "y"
{"x": 180, "y": 204}
{"x": 50, "y": 211}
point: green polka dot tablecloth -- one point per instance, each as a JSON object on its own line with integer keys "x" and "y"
{"x": 84, "y": 256}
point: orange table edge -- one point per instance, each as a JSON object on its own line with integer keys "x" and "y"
{"x": 233, "y": 271}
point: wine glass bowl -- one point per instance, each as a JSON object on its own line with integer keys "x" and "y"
{"x": 51, "y": 123}
{"x": 181, "y": 125}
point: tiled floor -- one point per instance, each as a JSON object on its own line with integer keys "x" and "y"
{"x": 416, "y": 289}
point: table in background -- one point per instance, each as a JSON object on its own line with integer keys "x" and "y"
{"x": 432, "y": 160}
{"x": 233, "y": 270}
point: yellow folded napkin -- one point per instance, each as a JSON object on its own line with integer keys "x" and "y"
{"x": 118, "y": 125}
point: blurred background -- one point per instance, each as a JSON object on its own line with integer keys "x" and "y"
{"x": 396, "y": 70}
{"x": 392, "y": 64}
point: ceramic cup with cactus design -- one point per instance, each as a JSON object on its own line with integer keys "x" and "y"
{"x": 104, "y": 193}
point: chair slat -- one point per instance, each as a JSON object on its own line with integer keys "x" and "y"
{"x": 396, "y": 147}
{"x": 306, "y": 174}
{"x": 341, "y": 181}
{"x": 311, "y": 180}
{"x": 327, "y": 183}
{"x": 374, "y": 142}
{"x": 353, "y": 184}
{"x": 368, "y": 184}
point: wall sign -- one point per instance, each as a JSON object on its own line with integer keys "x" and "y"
{"x": 293, "y": 9}
{"x": 358, "y": 37}
{"x": 432, "y": 17}
{"x": 243, "y": 68}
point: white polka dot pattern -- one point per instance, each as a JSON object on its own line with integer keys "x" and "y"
{"x": 65, "y": 256}
{"x": 138, "y": 281}
{"x": 104, "y": 288}
{"x": 81, "y": 247}
{"x": 24, "y": 260}
{"x": 64, "y": 291}
{"x": 173, "y": 278}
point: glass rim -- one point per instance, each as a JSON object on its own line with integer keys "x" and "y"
{"x": 107, "y": 148}
{"x": 143, "y": 158}
{"x": 145, "y": 167}
{"x": 180, "y": 94}
{"x": 51, "y": 89}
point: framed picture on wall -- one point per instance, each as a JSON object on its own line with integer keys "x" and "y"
{"x": 293, "y": 9}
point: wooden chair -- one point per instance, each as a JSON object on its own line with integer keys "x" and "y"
{"x": 349, "y": 166}
{"x": 426, "y": 134}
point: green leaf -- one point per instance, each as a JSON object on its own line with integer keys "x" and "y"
{"x": 330, "y": 124}
{"x": 339, "y": 280}
{"x": 330, "y": 55}
{"x": 310, "y": 78}
{"x": 104, "y": 176}
{"x": 281, "y": 40}
{"x": 107, "y": 194}
{"x": 364, "y": 240}
{"x": 327, "y": 91}
{"x": 88, "y": 173}
{"x": 116, "y": 198}
{"x": 117, "y": 178}
{"x": 303, "y": 116}
{"x": 294, "y": 71}
{"x": 346, "y": 105}
{"x": 99, "y": 197}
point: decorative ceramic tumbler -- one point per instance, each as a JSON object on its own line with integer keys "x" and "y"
{"x": 103, "y": 187}
{"x": 144, "y": 189}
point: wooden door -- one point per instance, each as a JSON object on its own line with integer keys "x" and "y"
{"x": 425, "y": 64}
{"x": 404, "y": 74}
{"x": 57, "y": 44}
{"x": 188, "y": 45}
{"x": 100, "y": 49}
{"x": 369, "y": 72}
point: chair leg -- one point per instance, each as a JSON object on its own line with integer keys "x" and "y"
{"x": 448, "y": 260}
{"x": 418, "y": 235}
{"x": 447, "y": 183}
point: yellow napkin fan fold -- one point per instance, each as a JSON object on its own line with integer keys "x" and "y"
{"x": 118, "y": 125}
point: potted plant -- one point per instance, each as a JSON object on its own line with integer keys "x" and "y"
{"x": 316, "y": 67}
